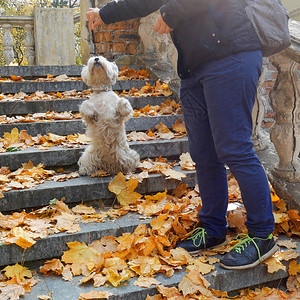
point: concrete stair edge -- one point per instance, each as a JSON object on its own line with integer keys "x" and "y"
{"x": 62, "y": 156}
{"x": 84, "y": 188}
{"x": 65, "y": 127}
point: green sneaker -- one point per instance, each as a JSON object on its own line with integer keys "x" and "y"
{"x": 199, "y": 240}
{"x": 249, "y": 252}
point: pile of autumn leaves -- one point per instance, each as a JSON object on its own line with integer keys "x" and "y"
{"x": 148, "y": 250}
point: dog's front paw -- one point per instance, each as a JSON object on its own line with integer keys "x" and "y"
{"x": 87, "y": 111}
{"x": 124, "y": 108}
{"x": 86, "y": 166}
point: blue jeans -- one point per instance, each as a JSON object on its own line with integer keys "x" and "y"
{"x": 217, "y": 102}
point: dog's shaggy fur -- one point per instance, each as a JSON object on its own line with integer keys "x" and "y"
{"x": 105, "y": 114}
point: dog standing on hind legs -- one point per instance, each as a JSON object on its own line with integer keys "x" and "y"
{"x": 105, "y": 114}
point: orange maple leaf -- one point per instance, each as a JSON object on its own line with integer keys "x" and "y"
{"x": 125, "y": 190}
{"x": 53, "y": 265}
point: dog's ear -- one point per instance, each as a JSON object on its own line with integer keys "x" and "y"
{"x": 112, "y": 72}
{"x": 84, "y": 74}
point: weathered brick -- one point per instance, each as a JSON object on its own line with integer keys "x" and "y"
{"x": 102, "y": 48}
{"x": 103, "y": 36}
{"x": 135, "y": 24}
{"x": 125, "y": 25}
{"x": 126, "y": 36}
{"x": 114, "y": 26}
{"x": 132, "y": 49}
{"x": 119, "y": 47}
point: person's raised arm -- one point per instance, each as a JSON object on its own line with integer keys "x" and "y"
{"x": 94, "y": 18}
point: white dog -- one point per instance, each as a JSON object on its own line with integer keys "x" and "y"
{"x": 105, "y": 114}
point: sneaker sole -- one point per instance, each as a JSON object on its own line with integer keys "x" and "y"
{"x": 198, "y": 251}
{"x": 264, "y": 257}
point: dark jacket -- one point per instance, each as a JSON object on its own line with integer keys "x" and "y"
{"x": 203, "y": 29}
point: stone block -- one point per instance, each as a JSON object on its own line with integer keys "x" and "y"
{"x": 54, "y": 36}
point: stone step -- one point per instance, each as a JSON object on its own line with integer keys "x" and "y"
{"x": 39, "y": 71}
{"x": 59, "y": 156}
{"x": 60, "y": 86}
{"x": 53, "y": 246}
{"x": 65, "y": 127}
{"x": 60, "y": 105}
{"x": 43, "y": 71}
{"x": 83, "y": 188}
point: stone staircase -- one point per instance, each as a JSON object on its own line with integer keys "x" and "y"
{"x": 91, "y": 190}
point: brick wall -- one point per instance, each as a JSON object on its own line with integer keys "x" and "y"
{"x": 117, "y": 39}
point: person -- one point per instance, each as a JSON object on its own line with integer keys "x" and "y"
{"x": 219, "y": 64}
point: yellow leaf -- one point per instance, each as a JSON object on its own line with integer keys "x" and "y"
{"x": 21, "y": 238}
{"x": 157, "y": 197}
{"x": 115, "y": 277}
{"x": 125, "y": 190}
{"x": 145, "y": 265}
{"x": 274, "y": 265}
{"x": 17, "y": 271}
{"x": 13, "y": 136}
{"x": 194, "y": 282}
{"x": 80, "y": 255}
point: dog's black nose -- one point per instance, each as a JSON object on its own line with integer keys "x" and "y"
{"x": 96, "y": 59}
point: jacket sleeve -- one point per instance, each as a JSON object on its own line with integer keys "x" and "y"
{"x": 175, "y": 11}
{"x": 122, "y": 10}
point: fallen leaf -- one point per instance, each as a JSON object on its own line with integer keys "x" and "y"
{"x": 294, "y": 268}
{"x": 146, "y": 282}
{"x": 124, "y": 190}
{"x": 172, "y": 174}
{"x": 53, "y": 265}
{"x": 194, "y": 282}
{"x": 20, "y": 237}
{"x": 169, "y": 292}
{"x": 17, "y": 271}
{"x": 11, "y": 292}
{"x": 83, "y": 209}
{"x": 95, "y": 295}
{"x": 287, "y": 244}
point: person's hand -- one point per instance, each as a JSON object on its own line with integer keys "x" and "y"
{"x": 161, "y": 26}
{"x": 94, "y": 18}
